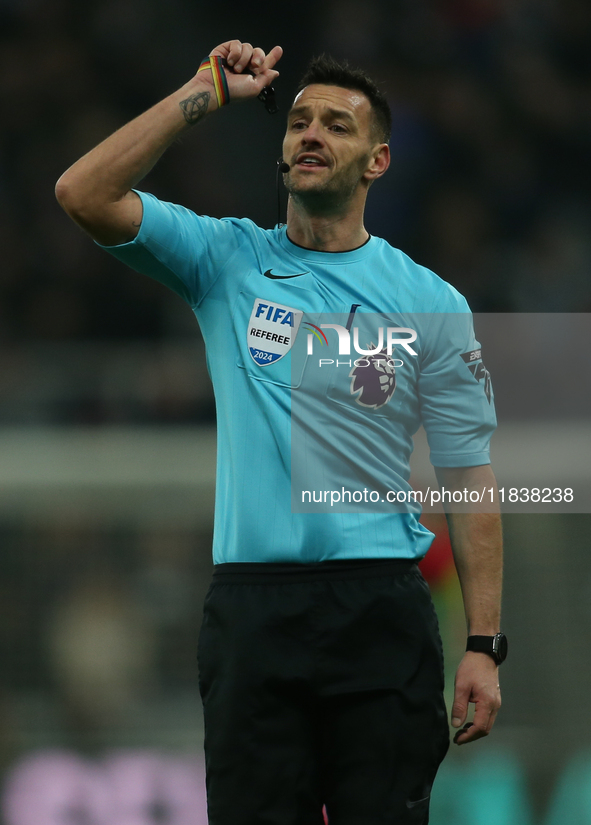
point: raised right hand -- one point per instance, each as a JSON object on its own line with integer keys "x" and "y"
{"x": 242, "y": 59}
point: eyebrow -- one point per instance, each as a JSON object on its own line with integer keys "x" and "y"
{"x": 341, "y": 114}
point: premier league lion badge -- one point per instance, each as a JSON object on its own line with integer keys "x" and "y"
{"x": 373, "y": 379}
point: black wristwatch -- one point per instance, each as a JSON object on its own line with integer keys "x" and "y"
{"x": 495, "y": 646}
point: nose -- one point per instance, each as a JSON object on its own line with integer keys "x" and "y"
{"x": 312, "y": 134}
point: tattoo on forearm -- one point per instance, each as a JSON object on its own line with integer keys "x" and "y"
{"x": 195, "y": 107}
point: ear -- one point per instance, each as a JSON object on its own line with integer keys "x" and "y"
{"x": 380, "y": 160}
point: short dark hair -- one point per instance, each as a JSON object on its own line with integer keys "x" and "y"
{"x": 326, "y": 70}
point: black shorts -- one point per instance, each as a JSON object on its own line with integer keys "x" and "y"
{"x": 322, "y": 684}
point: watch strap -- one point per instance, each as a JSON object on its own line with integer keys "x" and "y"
{"x": 495, "y": 646}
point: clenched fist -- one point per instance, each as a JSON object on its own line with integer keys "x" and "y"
{"x": 248, "y": 70}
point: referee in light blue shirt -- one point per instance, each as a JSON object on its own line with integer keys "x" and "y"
{"x": 320, "y": 660}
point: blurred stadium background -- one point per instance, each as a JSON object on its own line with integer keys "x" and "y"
{"x": 106, "y": 412}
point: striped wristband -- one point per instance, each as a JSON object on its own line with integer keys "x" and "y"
{"x": 216, "y": 64}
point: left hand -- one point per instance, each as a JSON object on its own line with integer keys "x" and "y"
{"x": 477, "y": 682}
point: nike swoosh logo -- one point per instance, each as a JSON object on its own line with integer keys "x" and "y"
{"x": 269, "y": 274}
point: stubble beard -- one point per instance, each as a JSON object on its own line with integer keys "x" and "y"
{"x": 324, "y": 198}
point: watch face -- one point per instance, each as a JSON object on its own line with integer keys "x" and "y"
{"x": 500, "y": 647}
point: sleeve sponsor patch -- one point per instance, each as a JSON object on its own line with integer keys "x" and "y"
{"x": 473, "y": 360}
{"x": 474, "y": 355}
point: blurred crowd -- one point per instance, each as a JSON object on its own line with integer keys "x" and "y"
{"x": 490, "y": 180}
{"x": 98, "y": 635}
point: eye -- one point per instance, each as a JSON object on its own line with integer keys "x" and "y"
{"x": 338, "y": 128}
{"x": 299, "y": 124}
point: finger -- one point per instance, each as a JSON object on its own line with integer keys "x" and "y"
{"x": 257, "y": 59}
{"x": 494, "y": 709}
{"x": 459, "y": 709}
{"x": 486, "y": 709}
{"x": 482, "y": 722}
{"x": 461, "y": 734}
{"x": 265, "y": 78}
{"x": 244, "y": 58}
{"x": 469, "y": 733}
{"x": 273, "y": 57}
{"x": 231, "y": 50}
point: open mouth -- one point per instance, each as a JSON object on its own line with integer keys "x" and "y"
{"x": 307, "y": 161}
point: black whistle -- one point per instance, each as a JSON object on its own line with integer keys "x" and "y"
{"x": 267, "y": 96}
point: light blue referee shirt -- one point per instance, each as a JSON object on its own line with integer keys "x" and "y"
{"x": 323, "y": 366}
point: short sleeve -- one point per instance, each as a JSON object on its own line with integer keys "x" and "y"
{"x": 182, "y": 250}
{"x": 455, "y": 391}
